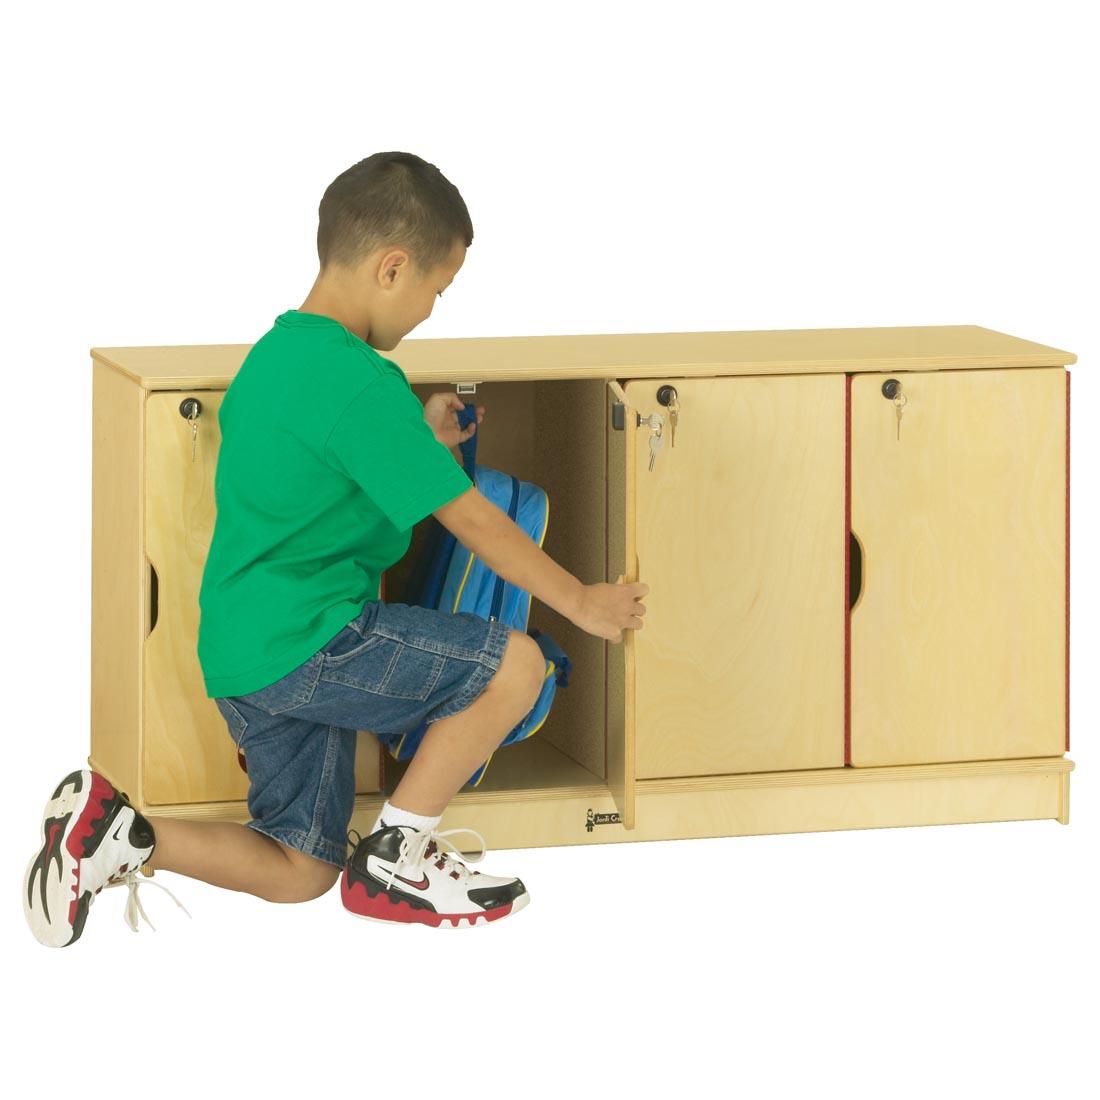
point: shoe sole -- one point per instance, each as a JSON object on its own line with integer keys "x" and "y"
{"x": 407, "y": 915}
{"x": 74, "y": 821}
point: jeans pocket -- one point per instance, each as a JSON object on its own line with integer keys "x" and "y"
{"x": 347, "y": 645}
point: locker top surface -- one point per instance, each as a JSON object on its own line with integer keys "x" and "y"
{"x": 451, "y": 360}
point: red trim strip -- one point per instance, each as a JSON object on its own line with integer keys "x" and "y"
{"x": 1067, "y": 558}
{"x": 847, "y": 571}
{"x": 607, "y": 429}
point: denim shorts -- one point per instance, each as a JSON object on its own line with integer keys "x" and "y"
{"x": 391, "y": 668}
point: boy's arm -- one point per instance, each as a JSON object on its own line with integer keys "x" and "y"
{"x": 510, "y": 552}
{"x": 382, "y": 442}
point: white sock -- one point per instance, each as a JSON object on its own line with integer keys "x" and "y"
{"x": 392, "y": 815}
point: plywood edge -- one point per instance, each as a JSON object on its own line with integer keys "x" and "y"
{"x": 1037, "y": 355}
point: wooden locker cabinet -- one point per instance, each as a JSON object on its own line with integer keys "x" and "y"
{"x": 847, "y": 626}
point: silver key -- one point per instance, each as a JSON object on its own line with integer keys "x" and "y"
{"x": 673, "y": 415}
{"x": 899, "y": 403}
{"x": 655, "y": 441}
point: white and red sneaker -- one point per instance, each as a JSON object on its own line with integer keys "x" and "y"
{"x": 400, "y": 874}
{"x": 92, "y": 838}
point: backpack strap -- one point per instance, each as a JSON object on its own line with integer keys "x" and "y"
{"x": 468, "y": 447}
{"x": 426, "y": 582}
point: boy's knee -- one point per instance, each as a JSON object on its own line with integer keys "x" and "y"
{"x": 523, "y": 667}
{"x": 306, "y": 879}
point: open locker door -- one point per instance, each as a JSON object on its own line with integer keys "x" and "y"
{"x": 622, "y": 565}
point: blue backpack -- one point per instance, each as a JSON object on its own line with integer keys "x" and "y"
{"x": 450, "y": 578}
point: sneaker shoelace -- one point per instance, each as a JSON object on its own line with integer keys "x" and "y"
{"x": 427, "y": 841}
{"x": 133, "y": 903}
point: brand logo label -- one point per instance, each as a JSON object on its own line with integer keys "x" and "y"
{"x": 593, "y": 819}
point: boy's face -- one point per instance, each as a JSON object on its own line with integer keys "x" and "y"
{"x": 399, "y": 296}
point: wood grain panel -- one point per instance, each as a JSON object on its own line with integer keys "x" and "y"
{"x": 118, "y": 584}
{"x": 188, "y": 752}
{"x": 958, "y": 634}
{"x": 569, "y": 439}
{"x": 740, "y": 666}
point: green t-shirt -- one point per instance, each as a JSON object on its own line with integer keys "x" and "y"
{"x": 326, "y": 463}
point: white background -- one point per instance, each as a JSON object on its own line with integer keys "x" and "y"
{"x": 628, "y": 168}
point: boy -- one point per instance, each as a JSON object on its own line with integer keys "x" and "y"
{"x": 327, "y": 461}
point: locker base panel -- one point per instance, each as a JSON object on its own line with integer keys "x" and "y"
{"x": 735, "y": 805}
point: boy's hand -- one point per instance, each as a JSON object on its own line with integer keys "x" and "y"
{"x": 441, "y": 416}
{"x": 607, "y": 609}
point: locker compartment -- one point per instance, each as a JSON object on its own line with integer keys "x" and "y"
{"x": 554, "y": 435}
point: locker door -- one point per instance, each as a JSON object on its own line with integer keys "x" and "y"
{"x": 188, "y": 753}
{"x": 741, "y": 537}
{"x": 187, "y": 750}
{"x": 958, "y": 630}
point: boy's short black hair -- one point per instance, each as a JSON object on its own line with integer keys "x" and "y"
{"x": 391, "y": 198}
